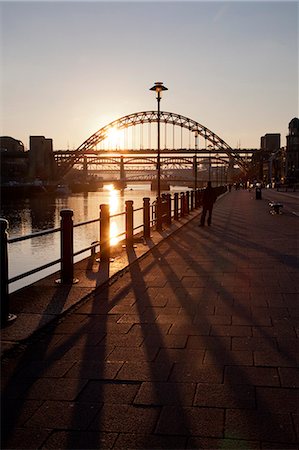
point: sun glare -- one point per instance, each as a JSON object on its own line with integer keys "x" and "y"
{"x": 114, "y": 138}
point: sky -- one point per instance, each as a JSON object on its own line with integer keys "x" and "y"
{"x": 69, "y": 68}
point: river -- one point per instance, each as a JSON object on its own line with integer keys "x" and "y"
{"x": 41, "y": 212}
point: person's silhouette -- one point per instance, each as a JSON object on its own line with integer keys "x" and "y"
{"x": 208, "y": 200}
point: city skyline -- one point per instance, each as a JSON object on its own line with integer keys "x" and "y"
{"x": 70, "y": 68}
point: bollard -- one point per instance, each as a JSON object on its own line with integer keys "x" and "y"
{"x": 187, "y": 202}
{"x": 6, "y": 317}
{"x": 66, "y": 247}
{"x": 159, "y": 214}
{"x": 146, "y": 217}
{"x": 168, "y": 206}
{"x": 192, "y": 200}
{"x": 176, "y": 206}
{"x": 104, "y": 232}
{"x": 182, "y": 204}
{"x": 129, "y": 223}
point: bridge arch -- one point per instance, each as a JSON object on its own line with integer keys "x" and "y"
{"x": 151, "y": 117}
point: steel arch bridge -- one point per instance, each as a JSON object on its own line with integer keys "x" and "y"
{"x": 149, "y": 117}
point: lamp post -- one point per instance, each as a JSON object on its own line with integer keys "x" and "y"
{"x": 195, "y": 158}
{"x": 210, "y": 147}
{"x": 158, "y": 88}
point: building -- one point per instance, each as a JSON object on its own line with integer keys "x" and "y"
{"x": 42, "y": 163}
{"x": 270, "y": 147}
{"x": 292, "y": 152}
{"x": 14, "y": 160}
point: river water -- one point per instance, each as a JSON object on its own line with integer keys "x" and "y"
{"x": 29, "y": 215}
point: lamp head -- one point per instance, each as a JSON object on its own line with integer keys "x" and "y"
{"x": 158, "y": 88}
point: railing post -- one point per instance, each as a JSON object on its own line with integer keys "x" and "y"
{"x": 104, "y": 232}
{"x": 129, "y": 223}
{"x": 192, "y": 200}
{"x": 159, "y": 214}
{"x": 182, "y": 204}
{"x": 197, "y": 198}
{"x": 168, "y": 205}
{"x": 146, "y": 217}
{"x": 5, "y": 315}
{"x": 176, "y": 206}
{"x": 187, "y": 202}
{"x": 66, "y": 246}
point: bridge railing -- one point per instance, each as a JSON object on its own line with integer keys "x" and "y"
{"x": 154, "y": 215}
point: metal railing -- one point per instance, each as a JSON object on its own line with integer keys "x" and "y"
{"x": 157, "y": 214}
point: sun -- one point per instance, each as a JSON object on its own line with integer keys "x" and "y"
{"x": 114, "y": 138}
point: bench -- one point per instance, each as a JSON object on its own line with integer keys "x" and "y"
{"x": 275, "y": 207}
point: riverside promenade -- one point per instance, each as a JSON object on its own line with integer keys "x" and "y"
{"x": 193, "y": 345}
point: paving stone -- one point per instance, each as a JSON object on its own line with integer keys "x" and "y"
{"x": 179, "y": 355}
{"x": 254, "y": 343}
{"x": 229, "y": 358}
{"x": 45, "y": 369}
{"x": 133, "y": 354}
{"x": 275, "y": 359}
{"x": 165, "y": 394}
{"x": 25, "y": 438}
{"x": 249, "y": 424}
{"x": 17, "y": 412}
{"x": 62, "y": 415}
{"x": 192, "y": 373}
{"x": 225, "y": 396}
{"x": 109, "y": 392}
{"x": 165, "y": 341}
{"x": 233, "y": 444}
{"x": 80, "y": 440}
{"x": 90, "y": 352}
{"x": 289, "y": 376}
{"x": 209, "y": 342}
{"x": 191, "y": 421}
{"x": 102, "y": 370}
{"x": 283, "y": 400}
{"x": 134, "y": 441}
{"x": 146, "y": 371}
{"x": 126, "y": 419}
{"x": 55, "y": 389}
{"x": 188, "y": 329}
{"x": 254, "y": 376}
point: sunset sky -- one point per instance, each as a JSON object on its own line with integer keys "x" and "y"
{"x": 69, "y": 68}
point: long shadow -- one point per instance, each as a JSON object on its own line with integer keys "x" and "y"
{"x": 13, "y": 394}
{"x": 140, "y": 291}
{"x": 221, "y": 350}
{"x": 91, "y": 365}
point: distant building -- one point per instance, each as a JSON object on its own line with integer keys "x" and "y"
{"x": 42, "y": 163}
{"x": 292, "y": 151}
{"x": 14, "y": 160}
{"x": 266, "y": 163}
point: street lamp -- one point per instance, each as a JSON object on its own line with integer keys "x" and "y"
{"x": 195, "y": 158}
{"x": 158, "y": 88}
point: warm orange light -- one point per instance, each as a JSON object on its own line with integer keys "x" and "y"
{"x": 114, "y": 138}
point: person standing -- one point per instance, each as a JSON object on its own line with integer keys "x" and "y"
{"x": 208, "y": 200}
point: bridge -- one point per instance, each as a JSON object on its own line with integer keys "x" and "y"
{"x": 127, "y": 148}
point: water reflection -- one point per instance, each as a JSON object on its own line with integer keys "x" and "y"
{"x": 43, "y": 212}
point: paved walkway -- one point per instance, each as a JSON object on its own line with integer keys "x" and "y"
{"x": 194, "y": 346}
